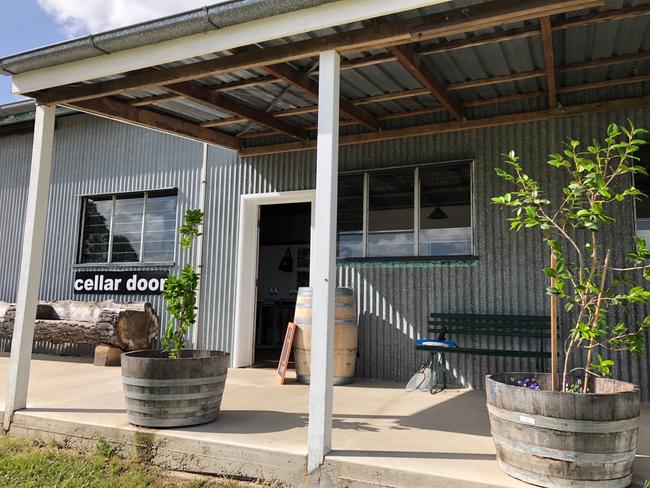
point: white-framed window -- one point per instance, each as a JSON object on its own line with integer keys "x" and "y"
{"x": 410, "y": 211}
{"x": 138, "y": 227}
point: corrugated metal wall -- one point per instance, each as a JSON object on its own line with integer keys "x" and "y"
{"x": 93, "y": 156}
{"x": 395, "y": 298}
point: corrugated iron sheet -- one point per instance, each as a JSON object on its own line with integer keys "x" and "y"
{"x": 94, "y": 155}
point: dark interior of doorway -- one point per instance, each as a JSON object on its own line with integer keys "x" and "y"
{"x": 282, "y": 267}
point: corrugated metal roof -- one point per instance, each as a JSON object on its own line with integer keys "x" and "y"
{"x": 195, "y": 21}
{"x": 523, "y": 56}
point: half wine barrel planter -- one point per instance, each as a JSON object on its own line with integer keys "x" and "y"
{"x": 559, "y": 439}
{"x": 163, "y": 392}
{"x": 345, "y": 335}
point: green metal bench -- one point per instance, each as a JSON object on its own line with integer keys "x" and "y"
{"x": 535, "y": 328}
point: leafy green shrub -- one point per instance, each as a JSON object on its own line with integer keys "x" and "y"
{"x": 589, "y": 279}
{"x": 180, "y": 291}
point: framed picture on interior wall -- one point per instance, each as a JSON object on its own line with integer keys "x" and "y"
{"x": 302, "y": 278}
{"x": 303, "y": 257}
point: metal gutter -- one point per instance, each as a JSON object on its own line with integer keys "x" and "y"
{"x": 174, "y": 26}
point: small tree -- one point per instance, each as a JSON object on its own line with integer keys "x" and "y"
{"x": 587, "y": 280}
{"x": 180, "y": 291}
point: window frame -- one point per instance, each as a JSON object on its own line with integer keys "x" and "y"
{"x": 114, "y": 196}
{"x": 416, "y": 212}
{"x": 635, "y": 217}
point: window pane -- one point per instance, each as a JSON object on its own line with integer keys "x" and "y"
{"x": 642, "y": 182}
{"x": 127, "y": 230}
{"x": 349, "y": 233}
{"x": 445, "y": 210}
{"x": 390, "y": 213}
{"x": 96, "y": 230}
{"x": 160, "y": 229}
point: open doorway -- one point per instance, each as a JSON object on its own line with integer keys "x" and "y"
{"x": 243, "y": 347}
{"x": 283, "y": 259}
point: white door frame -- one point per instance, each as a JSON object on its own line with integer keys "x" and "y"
{"x": 247, "y": 248}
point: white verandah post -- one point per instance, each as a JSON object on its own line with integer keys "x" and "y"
{"x": 324, "y": 268}
{"x": 31, "y": 263}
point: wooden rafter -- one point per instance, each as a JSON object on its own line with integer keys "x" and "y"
{"x": 247, "y": 83}
{"x": 456, "y": 126}
{"x": 418, "y": 112}
{"x": 532, "y": 31}
{"x": 302, "y": 81}
{"x": 421, "y": 72}
{"x": 113, "y": 109}
{"x": 605, "y": 84}
{"x": 224, "y": 122}
{"x": 487, "y": 15}
{"x": 152, "y": 100}
{"x": 405, "y": 31}
{"x": 490, "y": 101}
{"x": 474, "y": 41}
{"x": 219, "y": 101}
{"x": 547, "y": 41}
{"x": 596, "y": 63}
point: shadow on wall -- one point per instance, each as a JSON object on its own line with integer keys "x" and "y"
{"x": 394, "y": 305}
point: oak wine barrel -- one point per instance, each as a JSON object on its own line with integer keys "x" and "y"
{"x": 345, "y": 335}
{"x": 556, "y": 439}
{"x": 163, "y": 392}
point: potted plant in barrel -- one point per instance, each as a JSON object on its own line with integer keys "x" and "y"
{"x": 583, "y": 433}
{"x": 175, "y": 386}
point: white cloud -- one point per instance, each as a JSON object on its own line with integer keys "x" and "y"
{"x": 91, "y": 16}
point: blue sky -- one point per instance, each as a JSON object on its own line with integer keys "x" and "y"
{"x": 28, "y": 24}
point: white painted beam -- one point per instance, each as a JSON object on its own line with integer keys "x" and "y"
{"x": 32, "y": 261}
{"x": 279, "y": 26}
{"x": 323, "y": 254}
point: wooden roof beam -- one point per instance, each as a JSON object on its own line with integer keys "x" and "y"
{"x": 410, "y": 60}
{"x": 421, "y": 72}
{"x": 415, "y": 113}
{"x": 302, "y": 81}
{"x": 223, "y": 122}
{"x": 456, "y": 21}
{"x": 547, "y": 40}
{"x": 457, "y": 126}
{"x": 596, "y": 63}
{"x": 152, "y": 100}
{"x": 204, "y": 96}
{"x": 116, "y": 110}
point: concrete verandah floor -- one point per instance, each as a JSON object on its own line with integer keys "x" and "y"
{"x": 383, "y": 436}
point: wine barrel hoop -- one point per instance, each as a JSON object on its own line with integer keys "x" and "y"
{"x": 208, "y": 380}
{"x": 523, "y": 475}
{"x": 582, "y": 426}
{"x": 564, "y": 455}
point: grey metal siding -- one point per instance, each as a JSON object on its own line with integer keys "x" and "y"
{"x": 15, "y": 154}
{"x": 394, "y": 298}
{"x": 91, "y": 156}
{"x": 94, "y": 155}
